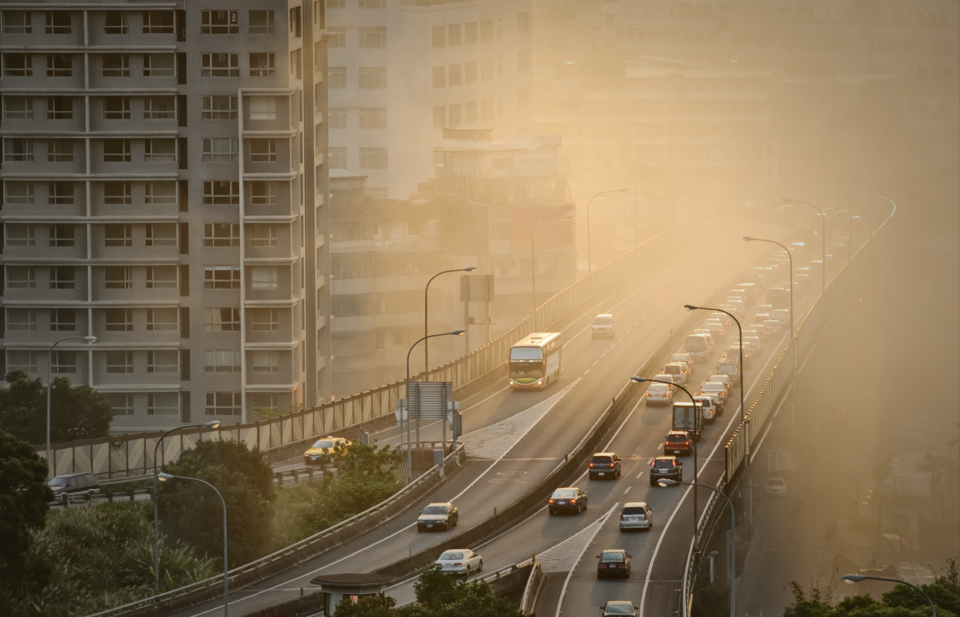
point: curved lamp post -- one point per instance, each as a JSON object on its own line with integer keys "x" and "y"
{"x": 407, "y": 393}
{"x": 163, "y": 477}
{"x": 694, "y": 403}
{"x": 533, "y": 267}
{"x": 691, "y": 307}
{"x": 589, "y": 258}
{"x": 733, "y": 539}
{"x": 156, "y": 513}
{"x": 426, "y": 361}
{"x": 89, "y": 339}
{"x": 849, "y": 215}
{"x": 856, "y": 578}
{"x": 749, "y": 239}
{"x": 823, "y": 244}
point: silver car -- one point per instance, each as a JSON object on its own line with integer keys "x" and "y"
{"x": 636, "y": 515}
{"x": 459, "y": 562}
{"x": 715, "y": 387}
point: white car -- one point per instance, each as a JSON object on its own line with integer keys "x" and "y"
{"x": 603, "y": 326}
{"x": 724, "y": 379}
{"x": 781, "y": 315}
{"x": 636, "y": 515}
{"x": 619, "y": 608}
{"x": 459, "y": 562}
{"x": 775, "y": 487}
{"x": 683, "y": 357}
{"x": 660, "y": 393}
{"x": 715, "y": 387}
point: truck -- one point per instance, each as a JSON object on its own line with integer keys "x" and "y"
{"x": 689, "y": 418}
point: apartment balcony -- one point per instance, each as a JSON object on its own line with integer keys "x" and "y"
{"x": 44, "y": 251}
{"x": 137, "y": 253}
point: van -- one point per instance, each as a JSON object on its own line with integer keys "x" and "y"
{"x": 603, "y": 326}
{"x": 697, "y": 346}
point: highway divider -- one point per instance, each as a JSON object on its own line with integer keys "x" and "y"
{"x": 532, "y": 589}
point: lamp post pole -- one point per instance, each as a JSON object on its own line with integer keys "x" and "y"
{"x": 88, "y": 339}
{"x": 856, "y": 578}
{"x": 849, "y": 215}
{"x": 156, "y": 513}
{"x": 823, "y": 245}
{"x": 589, "y": 256}
{"x": 163, "y": 477}
{"x": 407, "y": 393}
{"x": 691, "y": 307}
{"x": 533, "y": 268}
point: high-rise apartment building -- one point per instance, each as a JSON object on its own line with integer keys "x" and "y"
{"x": 165, "y": 189}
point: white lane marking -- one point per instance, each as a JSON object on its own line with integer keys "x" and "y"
{"x": 586, "y": 371}
{"x": 566, "y": 581}
{"x": 628, "y": 490}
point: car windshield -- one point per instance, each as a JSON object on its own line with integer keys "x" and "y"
{"x": 435, "y": 510}
{"x": 720, "y": 378}
{"x": 58, "y": 481}
{"x": 324, "y": 443}
{"x": 602, "y": 321}
{"x": 564, "y": 493}
{"x": 696, "y": 343}
{"x": 619, "y": 609}
{"x": 616, "y": 557}
{"x": 525, "y": 354}
{"x": 775, "y": 482}
{"x": 634, "y": 510}
{"x": 676, "y": 437}
{"x": 659, "y": 388}
{"x": 601, "y": 460}
{"x": 704, "y": 401}
{"x": 447, "y": 555}
{"x": 663, "y": 463}
{"x": 712, "y": 386}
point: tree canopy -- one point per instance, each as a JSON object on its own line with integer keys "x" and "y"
{"x": 901, "y": 601}
{"x": 76, "y": 412}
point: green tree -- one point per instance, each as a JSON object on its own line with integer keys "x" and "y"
{"x": 76, "y": 412}
{"x": 192, "y": 513}
{"x": 371, "y": 606}
{"x": 361, "y": 460}
{"x": 24, "y": 496}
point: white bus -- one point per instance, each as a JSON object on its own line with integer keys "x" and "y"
{"x": 535, "y": 361}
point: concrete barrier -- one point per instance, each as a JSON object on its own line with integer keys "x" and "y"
{"x": 532, "y": 590}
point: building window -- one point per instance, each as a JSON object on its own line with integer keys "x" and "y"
{"x": 17, "y": 65}
{"x": 160, "y": 192}
{"x": 372, "y": 4}
{"x": 21, "y": 320}
{"x": 221, "y": 361}
{"x": 263, "y": 150}
{"x": 59, "y": 150}
{"x": 261, "y": 22}
{"x": 373, "y": 158}
{"x": 471, "y": 70}
{"x": 160, "y": 150}
{"x": 161, "y": 234}
{"x": 59, "y": 108}
{"x": 523, "y": 23}
{"x": 62, "y": 235}
{"x": 63, "y": 362}
{"x": 220, "y": 150}
{"x": 221, "y": 234}
{"x": 117, "y": 235}
{"x": 119, "y": 320}
{"x": 523, "y": 61}
{"x": 296, "y": 63}
{"x": 25, "y": 361}
{"x": 116, "y": 151}
{"x": 262, "y": 64}
{"x": 265, "y": 320}
{"x": 470, "y": 32}
{"x": 338, "y": 117}
{"x": 59, "y": 65}
{"x": 486, "y": 109}
{"x": 63, "y": 320}
{"x": 337, "y": 77}
{"x": 223, "y": 404}
{"x": 162, "y": 277}
{"x": 58, "y": 22}
{"x": 115, "y": 22}
{"x": 453, "y": 35}
{"x": 165, "y": 361}
{"x": 439, "y": 76}
{"x": 116, "y": 65}
{"x": 218, "y": 107}
{"x": 221, "y": 319}
{"x": 158, "y": 107}
{"x": 265, "y": 400}
{"x": 263, "y": 108}
{"x": 438, "y": 37}
{"x": 265, "y": 361}
{"x": 20, "y": 235}
{"x": 117, "y": 193}
{"x": 339, "y": 40}
{"x": 121, "y": 403}
{"x": 17, "y": 22}
{"x": 219, "y": 22}
{"x": 455, "y": 110}
{"x": 18, "y": 150}
{"x": 373, "y": 38}
{"x": 439, "y": 117}
{"x": 17, "y": 108}
{"x": 219, "y": 65}
{"x": 119, "y": 362}
{"x": 116, "y": 108}
{"x": 373, "y": 77}
{"x": 221, "y": 277}
{"x": 264, "y": 277}
{"x": 163, "y": 403}
{"x": 63, "y": 277}
{"x": 60, "y": 193}
{"x": 221, "y": 192}
{"x": 263, "y": 193}
{"x": 159, "y": 65}
{"x": 263, "y": 235}
{"x": 486, "y": 31}
{"x": 454, "y": 74}
{"x": 118, "y": 277}
{"x": 295, "y": 26}
{"x": 158, "y": 22}
{"x": 163, "y": 319}
{"x": 18, "y": 192}
{"x": 338, "y": 157}
{"x": 486, "y": 70}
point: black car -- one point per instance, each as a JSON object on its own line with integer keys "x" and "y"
{"x": 74, "y": 484}
{"x": 438, "y": 516}
{"x": 613, "y": 562}
{"x": 666, "y": 468}
{"x": 567, "y": 499}
{"x": 605, "y": 465}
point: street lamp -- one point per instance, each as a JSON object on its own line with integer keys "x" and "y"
{"x": 426, "y": 362}
{"x": 163, "y": 477}
{"x": 749, "y": 239}
{"x": 533, "y": 267}
{"x": 823, "y": 244}
{"x": 733, "y": 538}
{"x": 589, "y": 258}
{"x": 849, "y": 215}
{"x": 694, "y": 403}
{"x": 691, "y": 307}
{"x": 89, "y": 339}
{"x": 407, "y": 392}
{"x": 156, "y": 514}
{"x": 856, "y": 578}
